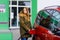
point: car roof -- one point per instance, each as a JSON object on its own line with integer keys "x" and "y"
{"x": 53, "y": 7}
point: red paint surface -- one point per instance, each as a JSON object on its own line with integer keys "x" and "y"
{"x": 58, "y": 8}
{"x": 42, "y": 33}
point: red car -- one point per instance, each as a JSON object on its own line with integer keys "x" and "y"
{"x": 47, "y": 24}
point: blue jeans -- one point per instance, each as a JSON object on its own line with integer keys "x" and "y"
{"x": 24, "y": 38}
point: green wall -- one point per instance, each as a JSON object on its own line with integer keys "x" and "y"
{"x": 6, "y": 36}
{"x": 4, "y": 21}
{"x": 34, "y": 10}
{"x": 4, "y": 16}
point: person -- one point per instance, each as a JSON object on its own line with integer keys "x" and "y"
{"x": 25, "y": 24}
{"x": 46, "y": 22}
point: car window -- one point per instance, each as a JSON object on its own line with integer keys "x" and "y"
{"x": 54, "y": 13}
{"x": 40, "y": 20}
{"x": 58, "y": 16}
{"x": 50, "y": 11}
